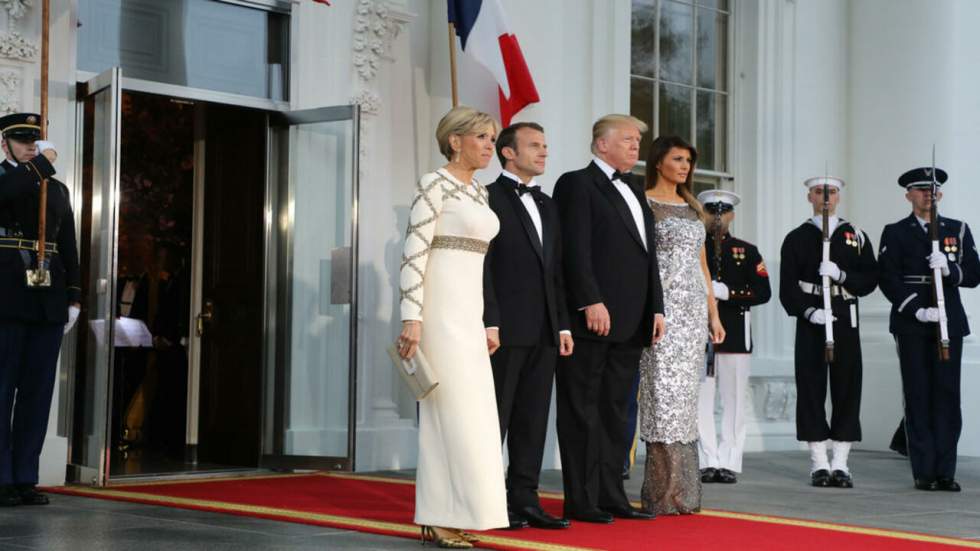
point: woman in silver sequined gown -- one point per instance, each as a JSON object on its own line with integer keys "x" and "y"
{"x": 671, "y": 369}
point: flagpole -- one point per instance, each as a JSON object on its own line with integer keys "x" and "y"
{"x": 452, "y": 62}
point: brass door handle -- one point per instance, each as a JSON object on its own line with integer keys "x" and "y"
{"x": 206, "y": 315}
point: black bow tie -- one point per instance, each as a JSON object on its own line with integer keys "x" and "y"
{"x": 521, "y": 189}
{"x": 624, "y": 177}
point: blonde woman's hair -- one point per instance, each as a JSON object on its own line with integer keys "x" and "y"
{"x": 658, "y": 150}
{"x": 602, "y": 126}
{"x": 461, "y": 121}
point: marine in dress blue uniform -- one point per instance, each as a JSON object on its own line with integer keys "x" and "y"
{"x": 853, "y": 272}
{"x": 32, "y": 319}
{"x": 931, "y": 387}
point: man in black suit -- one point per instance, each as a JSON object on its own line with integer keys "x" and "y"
{"x": 525, "y": 314}
{"x": 930, "y": 384}
{"x": 33, "y": 318}
{"x": 615, "y": 299}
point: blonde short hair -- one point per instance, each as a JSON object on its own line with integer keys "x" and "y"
{"x": 460, "y": 121}
{"x": 602, "y": 126}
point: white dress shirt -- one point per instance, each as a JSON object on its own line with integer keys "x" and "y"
{"x": 631, "y": 201}
{"x": 528, "y": 201}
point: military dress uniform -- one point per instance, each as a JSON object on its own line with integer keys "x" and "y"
{"x": 801, "y": 296}
{"x": 32, "y": 319}
{"x": 931, "y": 387}
{"x": 745, "y": 283}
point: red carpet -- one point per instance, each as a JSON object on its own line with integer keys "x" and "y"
{"x": 385, "y": 506}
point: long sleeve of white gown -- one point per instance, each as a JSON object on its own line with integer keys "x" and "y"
{"x": 426, "y": 207}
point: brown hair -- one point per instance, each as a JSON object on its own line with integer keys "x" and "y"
{"x": 460, "y": 121}
{"x": 508, "y": 138}
{"x": 658, "y": 150}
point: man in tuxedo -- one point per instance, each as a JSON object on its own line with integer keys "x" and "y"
{"x": 615, "y": 301}
{"x": 525, "y": 314}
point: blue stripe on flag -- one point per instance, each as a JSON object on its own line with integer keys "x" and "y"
{"x": 463, "y": 14}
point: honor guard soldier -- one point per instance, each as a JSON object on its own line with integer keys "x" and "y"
{"x": 740, "y": 281}
{"x": 34, "y": 313}
{"x": 931, "y": 385}
{"x": 821, "y": 276}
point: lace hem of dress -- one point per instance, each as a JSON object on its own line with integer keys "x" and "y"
{"x": 671, "y": 479}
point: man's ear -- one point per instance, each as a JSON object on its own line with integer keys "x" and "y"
{"x": 504, "y": 151}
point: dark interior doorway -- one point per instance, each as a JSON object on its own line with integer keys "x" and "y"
{"x": 154, "y": 286}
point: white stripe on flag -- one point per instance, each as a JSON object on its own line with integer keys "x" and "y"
{"x": 483, "y": 43}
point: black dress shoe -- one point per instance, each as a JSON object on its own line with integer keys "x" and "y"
{"x": 820, "y": 478}
{"x": 537, "y": 518}
{"x": 709, "y": 475}
{"x": 726, "y": 476}
{"x": 9, "y": 496}
{"x": 30, "y": 496}
{"x": 596, "y": 516}
{"x": 629, "y": 513}
{"x": 841, "y": 479}
{"x": 947, "y": 485}
{"x": 516, "y": 521}
{"x": 927, "y": 485}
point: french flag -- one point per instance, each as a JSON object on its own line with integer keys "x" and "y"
{"x": 484, "y": 35}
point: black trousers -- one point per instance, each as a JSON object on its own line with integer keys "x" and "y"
{"x": 28, "y": 363}
{"x": 522, "y": 378}
{"x": 933, "y": 420}
{"x": 593, "y": 399}
{"x": 811, "y": 384}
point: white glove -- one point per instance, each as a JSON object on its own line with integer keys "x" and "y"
{"x": 720, "y": 290}
{"x": 819, "y": 317}
{"x": 927, "y": 315}
{"x": 72, "y": 318}
{"x": 938, "y": 260}
{"x": 830, "y": 269}
{"x": 43, "y": 145}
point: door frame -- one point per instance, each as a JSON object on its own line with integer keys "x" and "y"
{"x": 276, "y": 198}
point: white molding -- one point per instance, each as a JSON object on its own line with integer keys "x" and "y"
{"x": 16, "y": 8}
{"x": 11, "y": 90}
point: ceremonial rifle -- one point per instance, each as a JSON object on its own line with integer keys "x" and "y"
{"x": 716, "y": 232}
{"x": 825, "y": 280}
{"x": 40, "y": 276}
{"x": 939, "y": 298}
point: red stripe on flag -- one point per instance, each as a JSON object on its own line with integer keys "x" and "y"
{"x": 522, "y": 89}
{"x": 327, "y": 2}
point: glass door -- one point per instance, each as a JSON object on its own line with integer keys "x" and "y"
{"x": 310, "y": 374}
{"x": 99, "y": 124}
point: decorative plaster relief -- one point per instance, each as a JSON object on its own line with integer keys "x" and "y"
{"x": 775, "y": 398}
{"x": 10, "y": 92}
{"x": 369, "y": 101}
{"x": 374, "y": 29}
{"x": 16, "y": 8}
{"x": 15, "y": 46}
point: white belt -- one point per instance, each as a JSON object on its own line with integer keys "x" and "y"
{"x": 835, "y": 290}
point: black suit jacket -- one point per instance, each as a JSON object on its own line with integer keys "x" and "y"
{"x": 604, "y": 257}
{"x": 904, "y": 248}
{"x": 19, "y": 199}
{"x": 523, "y": 288}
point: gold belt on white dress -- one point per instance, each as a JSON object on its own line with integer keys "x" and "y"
{"x": 460, "y": 243}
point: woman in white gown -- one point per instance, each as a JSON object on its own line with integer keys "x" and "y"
{"x": 459, "y": 483}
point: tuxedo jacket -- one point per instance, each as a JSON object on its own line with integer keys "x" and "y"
{"x": 19, "y": 201}
{"x": 523, "y": 286}
{"x": 907, "y": 280}
{"x": 745, "y": 274}
{"x": 604, "y": 257}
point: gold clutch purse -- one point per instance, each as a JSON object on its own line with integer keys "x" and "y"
{"x": 419, "y": 377}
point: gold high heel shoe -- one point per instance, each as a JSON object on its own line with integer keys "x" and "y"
{"x": 454, "y": 542}
{"x": 469, "y": 537}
